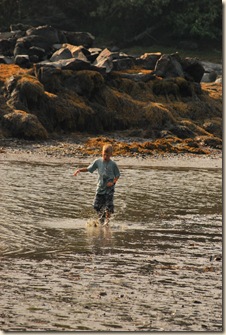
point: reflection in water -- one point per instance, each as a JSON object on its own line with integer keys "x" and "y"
{"x": 157, "y": 262}
{"x": 99, "y": 238}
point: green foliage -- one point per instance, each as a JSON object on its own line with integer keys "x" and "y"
{"x": 122, "y": 20}
{"x": 9, "y": 9}
{"x": 195, "y": 19}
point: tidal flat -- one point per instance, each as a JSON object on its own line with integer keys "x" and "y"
{"x": 157, "y": 267}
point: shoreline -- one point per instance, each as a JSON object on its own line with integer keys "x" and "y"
{"x": 68, "y": 152}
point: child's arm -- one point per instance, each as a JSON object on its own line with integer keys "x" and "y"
{"x": 112, "y": 183}
{"x": 80, "y": 170}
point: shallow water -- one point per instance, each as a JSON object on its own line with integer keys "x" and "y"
{"x": 157, "y": 267}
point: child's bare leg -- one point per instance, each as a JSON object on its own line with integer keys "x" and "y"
{"x": 101, "y": 216}
{"x": 107, "y": 218}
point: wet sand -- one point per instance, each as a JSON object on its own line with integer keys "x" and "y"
{"x": 167, "y": 277}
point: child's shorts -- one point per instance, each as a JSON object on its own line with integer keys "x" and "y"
{"x": 104, "y": 201}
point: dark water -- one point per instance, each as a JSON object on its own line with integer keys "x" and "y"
{"x": 156, "y": 268}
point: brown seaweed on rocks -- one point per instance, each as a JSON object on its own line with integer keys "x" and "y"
{"x": 36, "y": 104}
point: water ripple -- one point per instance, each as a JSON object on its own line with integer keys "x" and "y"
{"x": 159, "y": 260}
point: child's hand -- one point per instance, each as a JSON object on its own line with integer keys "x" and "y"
{"x": 80, "y": 170}
{"x": 110, "y": 183}
{"x": 76, "y": 172}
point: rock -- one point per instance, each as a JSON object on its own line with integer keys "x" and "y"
{"x": 117, "y": 61}
{"x": 19, "y": 26}
{"x": 148, "y": 60}
{"x": 193, "y": 69}
{"x": 209, "y": 67}
{"x": 79, "y": 38}
{"x": 88, "y": 83}
{"x": 46, "y": 73}
{"x": 23, "y": 125}
{"x": 122, "y": 64}
{"x": 6, "y": 60}
{"x": 143, "y": 77}
{"x": 218, "y": 80}
{"x": 23, "y": 44}
{"x": 62, "y": 53}
{"x": 68, "y": 64}
{"x": 47, "y": 33}
{"x": 36, "y": 54}
{"x": 23, "y": 61}
{"x": 209, "y": 77}
{"x": 169, "y": 66}
{"x": 41, "y": 38}
{"x": 68, "y": 51}
{"x": 212, "y": 72}
{"x": 182, "y": 131}
{"x": 165, "y": 134}
{"x": 214, "y": 142}
{"x": 93, "y": 54}
{"x": 72, "y": 87}
{"x": 25, "y": 93}
{"x": 104, "y": 60}
{"x": 166, "y": 88}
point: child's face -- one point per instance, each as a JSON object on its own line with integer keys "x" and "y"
{"x": 106, "y": 155}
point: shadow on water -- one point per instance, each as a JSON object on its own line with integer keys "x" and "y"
{"x": 156, "y": 267}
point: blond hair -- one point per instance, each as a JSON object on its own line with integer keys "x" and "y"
{"x": 107, "y": 148}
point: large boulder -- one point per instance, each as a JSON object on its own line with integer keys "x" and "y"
{"x": 23, "y": 44}
{"x": 212, "y": 72}
{"x": 169, "y": 66}
{"x": 25, "y": 92}
{"x": 8, "y": 42}
{"x": 48, "y": 33}
{"x": 137, "y": 77}
{"x": 68, "y": 51}
{"x": 193, "y": 69}
{"x": 173, "y": 65}
{"x": 6, "y": 60}
{"x": 117, "y": 61}
{"x": 67, "y": 64}
{"x": 209, "y": 77}
{"x": 123, "y": 63}
{"x": 23, "y": 61}
{"x": 19, "y": 27}
{"x": 41, "y": 38}
{"x": 23, "y": 125}
{"x": 36, "y": 54}
{"x": 79, "y": 38}
{"x": 104, "y": 60}
{"x": 148, "y": 60}
{"x": 93, "y": 54}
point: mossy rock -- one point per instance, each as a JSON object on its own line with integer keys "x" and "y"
{"x": 158, "y": 116}
{"x": 214, "y": 126}
{"x": 23, "y": 125}
{"x": 86, "y": 83}
{"x": 167, "y": 88}
{"x": 213, "y": 142}
{"x": 174, "y": 88}
{"x": 26, "y": 91}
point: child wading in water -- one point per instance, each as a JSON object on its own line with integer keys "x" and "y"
{"x": 108, "y": 176}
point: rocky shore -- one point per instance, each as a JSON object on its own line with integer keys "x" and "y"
{"x": 80, "y": 150}
{"x": 55, "y": 82}
{"x": 61, "y": 98}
